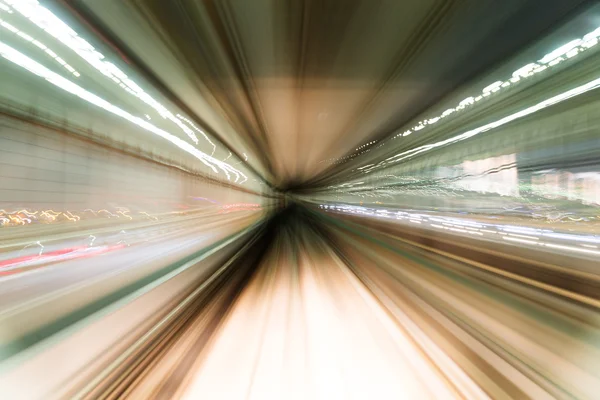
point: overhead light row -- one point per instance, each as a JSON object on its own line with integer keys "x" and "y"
{"x": 38, "y": 44}
{"x": 59, "y": 81}
{"x": 555, "y": 57}
{"x": 551, "y": 59}
{"x": 54, "y": 26}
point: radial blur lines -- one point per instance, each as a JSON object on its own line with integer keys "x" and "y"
{"x": 299, "y": 199}
{"x": 520, "y": 328}
{"x": 306, "y": 328}
{"x": 343, "y": 307}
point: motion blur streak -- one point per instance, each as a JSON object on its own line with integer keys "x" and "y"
{"x": 299, "y": 199}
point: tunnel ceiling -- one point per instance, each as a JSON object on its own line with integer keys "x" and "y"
{"x": 301, "y": 83}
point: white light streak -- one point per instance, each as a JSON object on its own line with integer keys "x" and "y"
{"x": 200, "y": 131}
{"x": 471, "y": 133}
{"x": 34, "y": 67}
{"x": 39, "y": 45}
{"x": 571, "y": 248}
{"x": 54, "y": 26}
{"x": 512, "y": 239}
{"x": 562, "y": 50}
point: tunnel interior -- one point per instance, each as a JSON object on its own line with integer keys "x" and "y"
{"x": 299, "y": 199}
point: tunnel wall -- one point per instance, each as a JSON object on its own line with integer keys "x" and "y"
{"x": 45, "y": 169}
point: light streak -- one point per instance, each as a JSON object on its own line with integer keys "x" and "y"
{"x": 201, "y": 132}
{"x": 39, "y": 45}
{"x": 551, "y": 59}
{"x": 18, "y": 58}
{"x": 571, "y": 248}
{"x": 591, "y": 85}
{"x": 54, "y": 26}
